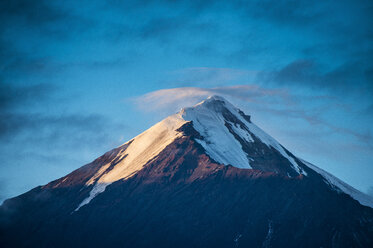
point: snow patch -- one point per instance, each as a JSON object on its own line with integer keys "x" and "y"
{"x": 268, "y": 239}
{"x": 242, "y": 133}
{"x": 140, "y": 150}
{"x": 97, "y": 189}
{"x": 237, "y": 239}
{"x": 218, "y": 142}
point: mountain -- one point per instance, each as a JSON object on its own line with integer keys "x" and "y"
{"x": 204, "y": 177}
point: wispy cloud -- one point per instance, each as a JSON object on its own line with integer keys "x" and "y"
{"x": 36, "y": 128}
{"x": 210, "y": 76}
{"x": 179, "y": 97}
{"x": 258, "y": 100}
{"x": 309, "y": 74}
{"x": 33, "y": 138}
{"x": 370, "y": 191}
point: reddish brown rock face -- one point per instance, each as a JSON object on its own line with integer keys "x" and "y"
{"x": 183, "y": 198}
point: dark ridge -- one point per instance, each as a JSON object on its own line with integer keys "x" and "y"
{"x": 246, "y": 117}
{"x": 188, "y": 129}
{"x": 264, "y": 158}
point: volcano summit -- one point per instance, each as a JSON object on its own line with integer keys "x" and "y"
{"x": 204, "y": 177}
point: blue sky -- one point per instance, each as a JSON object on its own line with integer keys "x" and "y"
{"x": 79, "y": 78}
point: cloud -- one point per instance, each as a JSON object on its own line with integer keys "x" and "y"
{"x": 294, "y": 12}
{"x": 186, "y": 96}
{"x": 67, "y": 130}
{"x": 27, "y": 28}
{"x": 209, "y": 34}
{"x": 370, "y": 191}
{"x": 51, "y": 143}
{"x": 2, "y": 190}
{"x": 18, "y": 122}
{"x": 160, "y": 27}
{"x": 277, "y": 103}
{"x": 308, "y": 74}
{"x": 21, "y": 125}
{"x": 274, "y": 101}
{"x": 13, "y": 96}
{"x": 207, "y": 76}
{"x": 41, "y": 17}
{"x": 29, "y": 12}
{"x": 36, "y": 137}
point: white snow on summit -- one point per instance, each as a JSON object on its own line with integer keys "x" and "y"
{"x": 219, "y": 143}
{"x": 208, "y": 120}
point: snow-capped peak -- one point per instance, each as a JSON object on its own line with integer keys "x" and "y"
{"x": 223, "y": 129}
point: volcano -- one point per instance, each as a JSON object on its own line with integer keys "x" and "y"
{"x": 204, "y": 177}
